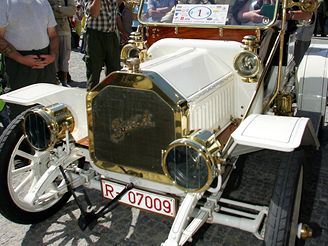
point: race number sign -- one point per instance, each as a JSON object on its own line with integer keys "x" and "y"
{"x": 215, "y": 14}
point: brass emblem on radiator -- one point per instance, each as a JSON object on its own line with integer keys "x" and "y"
{"x": 120, "y": 128}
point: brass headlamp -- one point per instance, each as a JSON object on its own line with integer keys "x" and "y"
{"x": 247, "y": 63}
{"x": 44, "y": 127}
{"x": 191, "y": 162}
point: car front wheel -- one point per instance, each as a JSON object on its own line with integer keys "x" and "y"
{"x": 21, "y": 172}
{"x": 282, "y": 222}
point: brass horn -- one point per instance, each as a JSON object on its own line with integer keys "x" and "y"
{"x": 304, "y": 5}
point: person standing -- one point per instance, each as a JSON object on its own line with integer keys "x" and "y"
{"x": 158, "y": 8}
{"x": 102, "y": 43}
{"x": 4, "y": 114}
{"x": 125, "y": 13}
{"x": 29, "y": 41}
{"x": 77, "y": 24}
{"x": 304, "y": 35}
{"x": 63, "y": 10}
{"x": 321, "y": 19}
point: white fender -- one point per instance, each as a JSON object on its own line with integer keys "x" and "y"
{"x": 280, "y": 133}
{"x": 47, "y": 94}
{"x": 312, "y": 76}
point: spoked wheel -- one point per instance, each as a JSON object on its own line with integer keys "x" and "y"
{"x": 25, "y": 197}
{"x": 282, "y": 222}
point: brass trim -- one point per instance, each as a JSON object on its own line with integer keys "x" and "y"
{"x": 135, "y": 48}
{"x": 306, "y": 231}
{"x": 221, "y": 32}
{"x": 304, "y": 5}
{"x": 127, "y": 51}
{"x": 161, "y": 178}
{"x": 138, "y": 81}
{"x": 281, "y": 53}
{"x": 283, "y": 103}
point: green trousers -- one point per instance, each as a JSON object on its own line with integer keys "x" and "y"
{"x": 20, "y": 75}
{"x": 102, "y": 48}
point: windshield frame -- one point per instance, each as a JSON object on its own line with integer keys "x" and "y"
{"x": 183, "y": 25}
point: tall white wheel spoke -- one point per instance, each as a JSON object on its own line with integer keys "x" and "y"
{"x": 24, "y": 182}
{"x": 26, "y": 155}
{"x": 22, "y": 169}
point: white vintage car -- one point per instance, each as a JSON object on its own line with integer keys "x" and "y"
{"x": 197, "y": 90}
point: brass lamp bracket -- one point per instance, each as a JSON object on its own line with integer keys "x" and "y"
{"x": 284, "y": 104}
{"x": 250, "y": 43}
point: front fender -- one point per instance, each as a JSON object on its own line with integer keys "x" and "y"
{"x": 47, "y": 94}
{"x": 280, "y": 133}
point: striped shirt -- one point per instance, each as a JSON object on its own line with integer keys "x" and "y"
{"x": 106, "y": 21}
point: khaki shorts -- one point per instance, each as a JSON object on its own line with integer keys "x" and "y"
{"x": 64, "y": 53}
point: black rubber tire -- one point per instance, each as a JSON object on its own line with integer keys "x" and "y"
{"x": 8, "y": 207}
{"x": 284, "y": 200}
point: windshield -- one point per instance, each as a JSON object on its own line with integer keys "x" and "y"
{"x": 211, "y": 13}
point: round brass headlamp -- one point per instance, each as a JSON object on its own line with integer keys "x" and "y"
{"x": 190, "y": 163}
{"x": 247, "y": 64}
{"x": 44, "y": 127}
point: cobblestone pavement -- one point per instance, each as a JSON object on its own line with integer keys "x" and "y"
{"x": 115, "y": 229}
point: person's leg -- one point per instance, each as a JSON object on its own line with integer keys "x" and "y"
{"x": 26, "y": 75}
{"x": 4, "y": 117}
{"x": 94, "y": 58}
{"x": 48, "y": 73}
{"x": 268, "y": 39}
{"x": 322, "y": 25}
{"x": 300, "y": 49}
{"x": 59, "y": 73}
{"x": 63, "y": 58}
{"x": 83, "y": 43}
{"x": 67, "y": 48}
{"x": 112, "y": 60}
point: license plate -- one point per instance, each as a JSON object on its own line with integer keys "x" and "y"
{"x": 141, "y": 199}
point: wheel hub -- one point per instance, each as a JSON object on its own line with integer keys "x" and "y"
{"x": 304, "y": 231}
